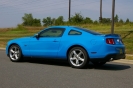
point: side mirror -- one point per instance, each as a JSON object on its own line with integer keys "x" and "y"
{"x": 37, "y": 35}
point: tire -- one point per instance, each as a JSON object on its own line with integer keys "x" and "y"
{"x": 78, "y": 58}
{"x": 98, "y": 63}
{"x": 15, "y": 53}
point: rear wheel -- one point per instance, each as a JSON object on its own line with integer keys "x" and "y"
{"x": 15, "y": 53}
{"x": 98, "y": 63}
{"x": 78, "y": 57}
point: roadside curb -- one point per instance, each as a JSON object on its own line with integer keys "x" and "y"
{"x": 2, "y": 49}
{"x": 129, "y": 54}
{"x": 125, "y": 61}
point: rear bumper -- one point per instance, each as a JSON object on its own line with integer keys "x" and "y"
{"x": 110, "y": 57}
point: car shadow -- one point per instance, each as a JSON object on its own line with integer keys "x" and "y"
{"x": 55, "y": 62}
{"x": 64, "y": 63}
{"x": 110, "y": 66}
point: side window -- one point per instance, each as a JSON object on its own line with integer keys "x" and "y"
{"x": 74, "y": 32}
{"x": 52, "y": 32}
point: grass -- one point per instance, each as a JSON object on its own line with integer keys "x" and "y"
{"x": 129, "y": 57}
{"x": 126, "y": 32}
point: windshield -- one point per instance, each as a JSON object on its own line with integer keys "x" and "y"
{"x": 89, "y": 31}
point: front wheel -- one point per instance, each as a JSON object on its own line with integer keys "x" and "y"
{"x": 15, "y": 53}
{"x": 78, "y": 57}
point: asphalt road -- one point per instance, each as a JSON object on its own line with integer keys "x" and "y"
{"x": 55, "y": 74}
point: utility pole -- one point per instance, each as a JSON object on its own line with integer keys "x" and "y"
{"x": 69, "y": 10}
{"x": 113, "y": 12}
{"x": 100, "y": 18}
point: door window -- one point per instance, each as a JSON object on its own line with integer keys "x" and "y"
{"x": 52, "y": 32}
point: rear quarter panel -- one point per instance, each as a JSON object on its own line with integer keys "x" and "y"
{"x": 90, "y": 42}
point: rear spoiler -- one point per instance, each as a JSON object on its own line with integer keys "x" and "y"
{"x": 114, "y": 35}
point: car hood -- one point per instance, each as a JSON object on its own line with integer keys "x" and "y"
{"x": 20, "y": 40}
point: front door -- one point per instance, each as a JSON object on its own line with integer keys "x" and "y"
{"x": 47, "y": 43}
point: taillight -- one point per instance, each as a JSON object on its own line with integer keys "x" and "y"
{"x": 110, "y": 41}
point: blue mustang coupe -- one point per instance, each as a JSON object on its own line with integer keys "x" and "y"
{"x": 77, "y": 45}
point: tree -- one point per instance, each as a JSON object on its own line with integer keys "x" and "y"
{"x": 106, "y": 20}
{"x": 77, "y": 18}
{"x": 88, "y": 20}
{"x": 27, "y": 19}
{"x": 36, "y": 22}
{"x": 47, "y": 21}
{"x": 95, "y": 22}
{"x": 59, "y": 20}
{"x": 127, "y": 21}
{"x": 121, "y": 21}
{"x": 116, "y": 18}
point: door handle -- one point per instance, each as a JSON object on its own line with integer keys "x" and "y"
{"x": 55, "y": 41}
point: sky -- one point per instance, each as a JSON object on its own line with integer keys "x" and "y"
{"x": 12, "y": 11}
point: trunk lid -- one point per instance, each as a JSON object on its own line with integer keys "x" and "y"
{"x": 113, "y": 39}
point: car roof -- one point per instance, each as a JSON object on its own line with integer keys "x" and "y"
{"x": 61, "y": 26}
{"x": 78, "y": 28}
{"x": 88, "y": 31}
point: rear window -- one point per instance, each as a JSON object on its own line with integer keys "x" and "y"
{"x": 89, "y": 31}
{"x": 74, "y": 32}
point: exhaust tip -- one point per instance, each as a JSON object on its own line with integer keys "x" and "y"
{"x": 111, "y": 59}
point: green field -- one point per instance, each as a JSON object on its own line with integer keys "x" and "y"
{"x": 126, "y": 32}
